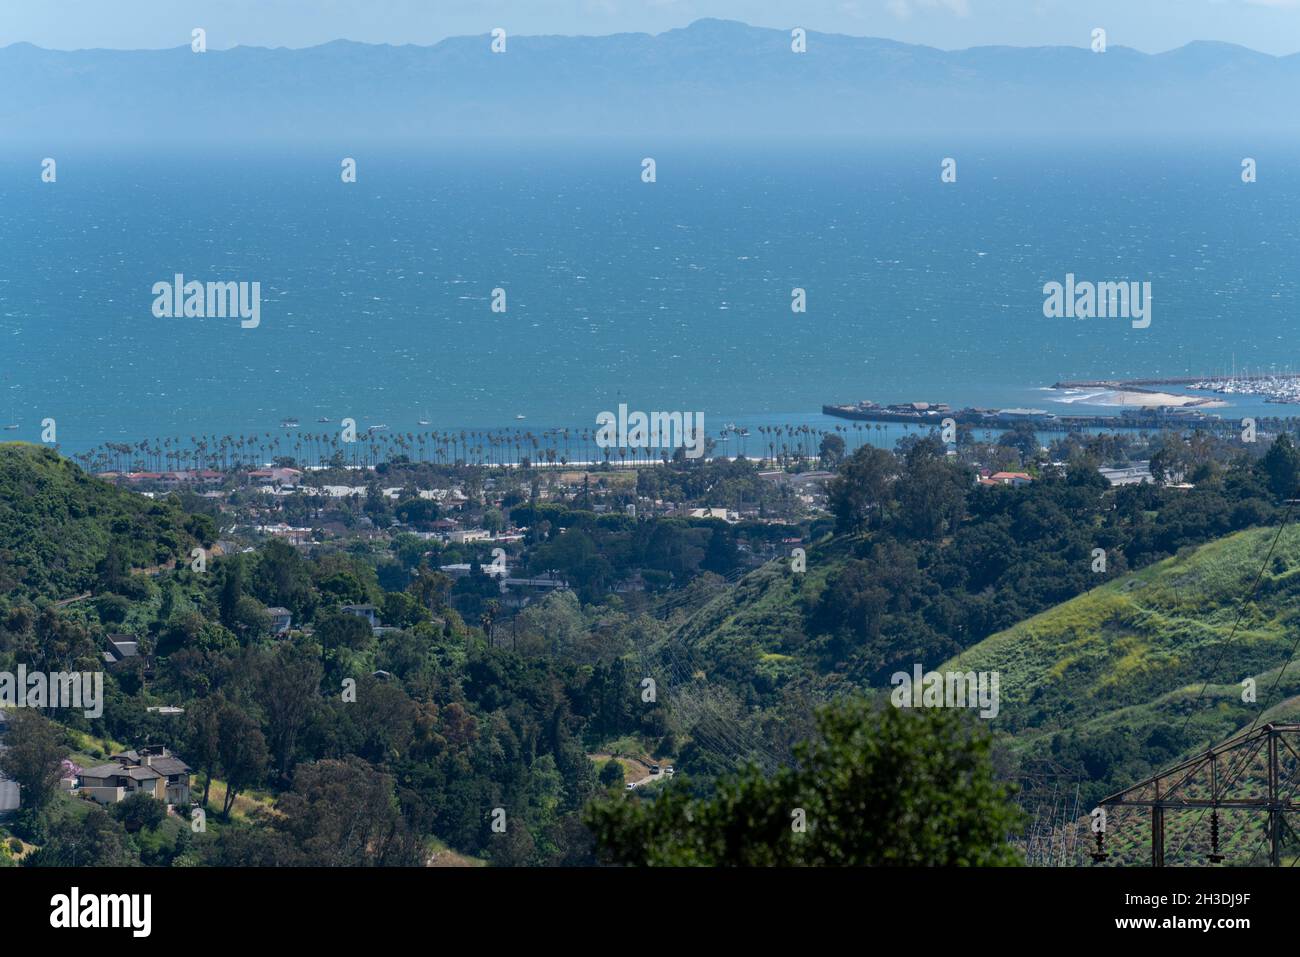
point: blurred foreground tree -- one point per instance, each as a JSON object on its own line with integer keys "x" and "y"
{"x": 876, "y": 787}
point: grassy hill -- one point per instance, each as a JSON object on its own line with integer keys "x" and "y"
{"x": 1134, "y": 651}
{"x": 1132, "y": 677}
{"x": 57, "y": 522}
{"x": 1097, "y": 692}
{"x": 1101, "y": 690}
{"x": 1138, "y": 650}
{"x": 759, "y": 633}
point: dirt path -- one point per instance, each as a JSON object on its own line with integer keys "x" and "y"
{"x": 636, "y": 770}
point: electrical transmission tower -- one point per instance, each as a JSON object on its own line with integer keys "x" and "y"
{"x": 1255, "y": 774}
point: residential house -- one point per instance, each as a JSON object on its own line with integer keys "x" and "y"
{"x": 275, "y": 476}
{"x": 121, "y": 647}
{"x": 369, "y": 612}
{"x": 281, "y": 618}
{"x": 633, "y": 583}
{"x": 725, "y": 514}
{"x": 1011, "y": 478}
{"x": 292, "y": 535}
{"x": 1139, "y": 473}
{"x": 547, "y": 581}
{"x": 462, "y": 569}
{"x": 153, "y": 769}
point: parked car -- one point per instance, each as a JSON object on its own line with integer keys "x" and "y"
{"x": 669, "y": 770}
{"x": 654, "y": 769}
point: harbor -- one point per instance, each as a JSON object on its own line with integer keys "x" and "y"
{"x": 1273, "y": 387}
{"x": 934, "y": 413}
{"x": 1142, "y": 403}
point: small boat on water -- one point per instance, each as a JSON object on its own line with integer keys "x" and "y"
{"x": 518, "y": 416}
{"x": 11, "y": 428}
{"x": 289, "y": 423}
{"x": 323, "y": 418}
{"x": 425, "y": 422}
{"x": 377, "y": 428}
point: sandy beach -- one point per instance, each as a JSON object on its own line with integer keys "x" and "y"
{"x": 1144, "y": 400}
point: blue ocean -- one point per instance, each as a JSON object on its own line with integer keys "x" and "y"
{"x": 376, "y": 296}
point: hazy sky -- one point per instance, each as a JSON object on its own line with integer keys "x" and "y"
{"x": 1151, "y": 25}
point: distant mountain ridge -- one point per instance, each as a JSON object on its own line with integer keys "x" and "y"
{"x": 712, "y": 78}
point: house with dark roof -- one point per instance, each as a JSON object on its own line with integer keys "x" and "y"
{"x": 121, "y": 647}
{"x": 281, "y": 619}
{"x": 153, "y": 769}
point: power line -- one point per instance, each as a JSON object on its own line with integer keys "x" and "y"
{"x": 1286, "y": 517}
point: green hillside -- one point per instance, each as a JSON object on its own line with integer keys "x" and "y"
{"x": 1099, "y": 691}
{"x": 757, "y": 630}
{"x": 1133, "y": 651}
{"x": 57, "y": 522}
{"x": 861, "y": 608}
{"x": 1109, "y": 684}
{"x": 1146, "y": 643}
{"x": 1105, "y": 688}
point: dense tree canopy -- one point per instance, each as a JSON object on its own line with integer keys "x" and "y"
{"x": 875, "y": 787}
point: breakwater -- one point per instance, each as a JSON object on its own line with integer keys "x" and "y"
{"x": 1041, "y": 421}
{"x": 1136, "y": 385}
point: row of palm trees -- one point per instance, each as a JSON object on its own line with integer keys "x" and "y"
{"x": 777, "y": 444}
